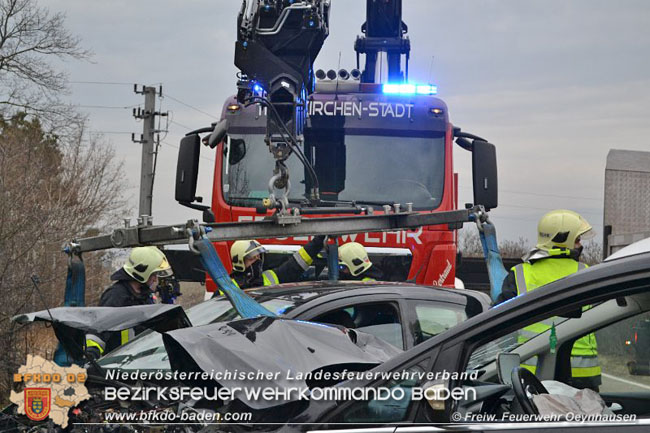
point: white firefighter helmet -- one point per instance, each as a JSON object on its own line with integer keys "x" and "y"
{"x": 241, "y": 250}
{"x": 145, "y": 261}
{"x": 353, "y": 255}
{"x": 561, "y": 228}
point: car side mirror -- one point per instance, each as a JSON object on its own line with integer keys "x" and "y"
{"x": 484, "y": 174}
{"x": 434, "y": 394}
{"x": 506, "y": 362}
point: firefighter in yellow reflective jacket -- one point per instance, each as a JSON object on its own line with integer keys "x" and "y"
{"x": 134, "y": 284}
{"x": 248, "y": 263}
{"x": 559, "y": 236}
{"x": 355, "y": 264}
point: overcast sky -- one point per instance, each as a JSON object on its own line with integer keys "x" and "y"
{"x": 553, "y": 84}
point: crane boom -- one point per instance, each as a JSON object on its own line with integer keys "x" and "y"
{"x": 384, "y": 31}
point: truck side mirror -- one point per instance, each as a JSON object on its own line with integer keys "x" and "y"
{"x": 484, "y": 174}
{"x": 187, "y": 169}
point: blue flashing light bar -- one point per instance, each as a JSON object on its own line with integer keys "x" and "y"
{"x": 409, "y": 89}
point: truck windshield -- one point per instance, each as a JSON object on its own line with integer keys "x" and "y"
{"x": 350, "y": 167}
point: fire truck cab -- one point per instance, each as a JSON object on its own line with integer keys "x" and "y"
{"x": 370, "y": 145}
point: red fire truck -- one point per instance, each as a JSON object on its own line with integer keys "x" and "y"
{"x": 373, "y": 143}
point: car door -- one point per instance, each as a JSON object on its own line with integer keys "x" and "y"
{"x": 472, "y": 347}
{"x": 382, "y": 315}
{"x": 624, "y": 359}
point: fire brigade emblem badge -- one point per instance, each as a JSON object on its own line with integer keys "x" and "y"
{"x": 37, "y": 403}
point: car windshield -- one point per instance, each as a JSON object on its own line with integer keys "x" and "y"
{"x": 487, "y": 353}
{"x": 390, "y": 172}
{"x": 147, "y": 352}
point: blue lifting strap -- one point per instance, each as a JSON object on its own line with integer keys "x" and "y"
{"x": 75, "y": 296}
{"x": 246, "y": 306}
{"x": 333, "y": 262}
{"x": 496, "y": 271}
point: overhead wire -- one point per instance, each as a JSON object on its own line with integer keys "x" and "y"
{"x": 181, "y": 125}
{"x": 108, "y": 107}
{"x": 167, "y": 95}
{"x": 177, "y": 147}
{"x": 111, "y": 83}
{"x": 110, "y": 132}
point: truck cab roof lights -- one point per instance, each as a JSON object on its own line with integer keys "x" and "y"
{"x": 342, "y": 75}
{"x": 409, "y": 89}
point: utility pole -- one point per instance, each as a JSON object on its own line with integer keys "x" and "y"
{"x": 147, "y": 171}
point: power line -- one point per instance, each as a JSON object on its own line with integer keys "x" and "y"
{"x": 176, "y": 147}
{"x": 167, "y": 95}
{"x": 110, "y": 83}
{"x": 108, "y": 107}
{"x": 181, "y": 125}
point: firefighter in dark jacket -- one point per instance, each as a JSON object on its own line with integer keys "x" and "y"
{"x": 134, "y": 284}
{"x": 355, "y": 264}
{"x": 248, "y": 262}
{"x": 559, "y": 236}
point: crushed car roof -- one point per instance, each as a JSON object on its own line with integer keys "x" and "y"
{"x": 71, "y": 324}
{"x": 271, "y": 344}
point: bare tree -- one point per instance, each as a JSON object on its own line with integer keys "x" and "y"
{"x": 469, "y": 245}
{"x": 51, "y": 191}
{"x": 30, "y": 38}
{"x": 592, "y": 254}
{"x": 514, "y": 249}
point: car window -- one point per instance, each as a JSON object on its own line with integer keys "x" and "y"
{"x": 380, "y": 319}
{"x": 624, "y": 355}
{"x": 221, "y": 310}
{"x": 432, "y": 318}
{"x": 487, "y": 353}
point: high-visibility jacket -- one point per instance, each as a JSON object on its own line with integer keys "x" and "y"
{"x": 269, "y": 278}
{"x": 289, "y": 271}
{"x": 120, "y": 294}
{"x": 585, "y": 369}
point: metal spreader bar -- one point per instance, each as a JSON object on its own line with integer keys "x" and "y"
{"x": 274, "y": 227}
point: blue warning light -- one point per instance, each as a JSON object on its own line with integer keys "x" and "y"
{"x": 409, "y": 89}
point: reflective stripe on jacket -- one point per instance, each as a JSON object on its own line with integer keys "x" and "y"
{"x": 528, "y": 277}
{"x": 289, "y": 271}
{"x": 269, "y": 278}
{"x": 96, "y": 341}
